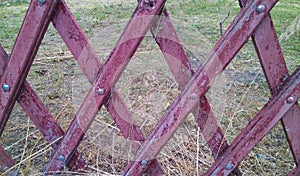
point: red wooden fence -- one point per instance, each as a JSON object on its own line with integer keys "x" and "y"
{"x": 253, "y": 21}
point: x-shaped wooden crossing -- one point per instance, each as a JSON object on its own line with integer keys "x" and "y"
{"x": 253, "y": 20}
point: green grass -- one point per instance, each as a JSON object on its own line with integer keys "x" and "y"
{"x": 11, "y": 17}
{"x": 285, "y": 15}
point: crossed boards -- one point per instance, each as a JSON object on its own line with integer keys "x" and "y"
{"x": 252, "y": 21}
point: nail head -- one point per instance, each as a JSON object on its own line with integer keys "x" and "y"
{"x": 5, "y": 87}
{"x": 100, "y": 91}
{"x": 290, "y": 100}
{"x": 42, "y": 1}
{"x": 60, "y": 158}
{"x": 229, "y": 166}
{"x": 261, "y": 8}
{"x": 144, "y": 162}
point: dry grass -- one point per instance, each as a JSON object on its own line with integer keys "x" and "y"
{"x": 148, "y": 88}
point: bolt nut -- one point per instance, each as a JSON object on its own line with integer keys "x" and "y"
{"x": 228, "y": 166}
{"x": 5, "y": 87}
{"x": 261, "y": 8}
{"x": 60, "y": 158}
{"x": 100, "y": 91}
{"x": 42, "y": 1}
{"x": 290, "y": 100}
{"x": 144, "y": 162}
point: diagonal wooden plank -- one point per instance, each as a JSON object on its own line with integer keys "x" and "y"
{"x": 66, "y": 25}
{"x": 109, "y": 74}
{"x": 259, "y": 126}
{"x": 166, "y": 37}
{"x": 226, "y": 48}
{"x": 25, "y": 48}
{"x": 53, "y": 132}
{"x": 41, "y": 116}
{"x": 272, "y": 61}
{"x": 275, "y": 69}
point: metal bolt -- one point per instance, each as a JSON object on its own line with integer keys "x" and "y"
{"x": 42, "y": 1}
{"x": 100, "y": 91}
{"x": 144, "y": 162}
{"x": 5, "y": 87}
{"x": 290, "y": 100}
{"x": 261, "y": 8}
{"x": 60, "y": 158}
{"x": 229, "y": 166}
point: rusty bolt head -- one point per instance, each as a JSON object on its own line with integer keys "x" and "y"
{"x": 42, "y": 1}
{"x": 5, "y": 87}
{"x": 228, "y": 166}
{"x": 60, "y": 158}
{"x": 100, "y": 91}
{"x": 290, "y": 100}
{"x": 261, "y": 8}
{"x": 144, "y": 162}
